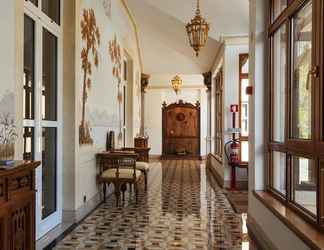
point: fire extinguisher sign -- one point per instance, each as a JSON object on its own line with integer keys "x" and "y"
{"x": 234, "y": 108}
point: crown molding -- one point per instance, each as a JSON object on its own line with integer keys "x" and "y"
{"x": 164, "y": 86}
{"x": 235, "y": 40}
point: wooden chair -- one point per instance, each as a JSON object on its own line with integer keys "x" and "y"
{"x": 141, "y": 165}
{"x": 118, "y": 168}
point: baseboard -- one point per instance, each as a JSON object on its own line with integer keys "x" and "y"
{"x": 217, "y": 177}
{"x": 258, "y": 236}
{"x": 75, "y": 216}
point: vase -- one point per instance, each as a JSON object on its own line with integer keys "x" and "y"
{"x": 7, "y": 152}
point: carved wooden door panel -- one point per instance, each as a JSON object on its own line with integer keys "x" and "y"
{"x": 182, "y": 122}
{"x": 181, "y": 130}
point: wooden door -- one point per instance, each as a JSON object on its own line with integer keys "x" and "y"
{"x": 181, "y": 130}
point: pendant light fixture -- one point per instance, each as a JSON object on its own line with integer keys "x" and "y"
{"x": 197, "y": 30}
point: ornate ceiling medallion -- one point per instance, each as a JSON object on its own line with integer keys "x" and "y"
{"x": 197, "y": 31}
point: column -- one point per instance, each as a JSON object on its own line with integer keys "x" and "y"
{"x": 144, "y": 84}
{"x": 208, "y": 84}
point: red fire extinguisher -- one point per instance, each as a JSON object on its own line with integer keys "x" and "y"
{"x": 232, "y": 148}
{"x": 234, "y": 156}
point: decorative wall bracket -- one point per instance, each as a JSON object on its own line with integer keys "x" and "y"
{"x": 144, "y": 82}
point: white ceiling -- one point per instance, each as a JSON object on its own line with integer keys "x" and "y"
{"x": 163, "y": 39}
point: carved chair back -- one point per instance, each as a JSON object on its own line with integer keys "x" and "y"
{"x": 118, "y": 160}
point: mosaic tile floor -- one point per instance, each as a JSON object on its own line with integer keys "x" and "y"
{"x": 182, "y": 210}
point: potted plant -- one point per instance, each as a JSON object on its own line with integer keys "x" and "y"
{"x": 8, "y": 137}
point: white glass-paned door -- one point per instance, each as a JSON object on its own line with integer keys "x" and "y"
{"x": 42, "y": 105}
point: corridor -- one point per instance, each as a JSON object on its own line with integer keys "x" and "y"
{"x": 183, "y": 209}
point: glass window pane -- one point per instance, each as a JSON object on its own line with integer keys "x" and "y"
{"x": 279, "y": 172}
{"x": 304, "y": 187}
{"x": 244, "y": 112}
{"x": 278, "y": 7}
{"x": 279, "y": 44}
{"x": 29, "y": 68}
{"x": 35, "y": 2}
{"x": 28, "y": 143}
{"x": 244, "y": 151}
{"x": 48, "y": 171}
{"x": 52, "y": 9}
{"x": 245, "y": 65}
{"x": 301, "y": 102}
{"x": 49, "y": 87}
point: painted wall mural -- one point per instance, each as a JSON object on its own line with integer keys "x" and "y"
{"x": 115, "y": 57}
{"x": 107, "y": 7}
{"x": 89, "y": 55}
{"x": 114, "y": 51}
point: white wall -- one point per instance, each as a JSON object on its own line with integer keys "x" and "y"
{"x": 158, "y": 92}
{"x": 8, "y": 59}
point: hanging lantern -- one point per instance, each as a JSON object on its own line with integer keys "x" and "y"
{"x": 197, "y": 31}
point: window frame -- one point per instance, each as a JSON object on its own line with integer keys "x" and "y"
{"x": 242, "y": 76}
{"x": 219, "y": 112}
{"x": 313, "y": 148}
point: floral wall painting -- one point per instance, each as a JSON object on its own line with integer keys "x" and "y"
{"x": 116, "y": 59}
{"x": 114, "y": 51}
{"x": 107, "y": 7}
{"x": 89, "y": 55}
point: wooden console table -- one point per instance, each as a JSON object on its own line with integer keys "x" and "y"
{"x": 17, "y": 206}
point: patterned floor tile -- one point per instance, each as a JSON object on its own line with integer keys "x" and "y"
{"x": 183, "y": 209}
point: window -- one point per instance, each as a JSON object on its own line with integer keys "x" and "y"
{"x": 296, "y": 144}
{"x": 304, "y": 183}
{"x": 279, "y": 42}
{"x": 49, "y": 8}
{"x": 278, "y": 7}
{"x": 35, "y": 2}
{"x": 52, "y": 9}
{"x": 244, "y": 106}
{"x": 279, "y": 172}
{"x": 219, "y": 115}
{"x": 49, "y": 197}
{"x": 29, "y": 68}
{"x": 49, "y": 87}
{"x": 301, "y": 87}
{"x": 28, "y": 144}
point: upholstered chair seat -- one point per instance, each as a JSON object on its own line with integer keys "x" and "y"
{"x": 123, "y": 173}
{"x": 142, "y": 166}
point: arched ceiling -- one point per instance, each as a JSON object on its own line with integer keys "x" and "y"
{"x": 163, "y": 39}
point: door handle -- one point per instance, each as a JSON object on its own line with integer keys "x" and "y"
{"x": 314, "y": 72}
